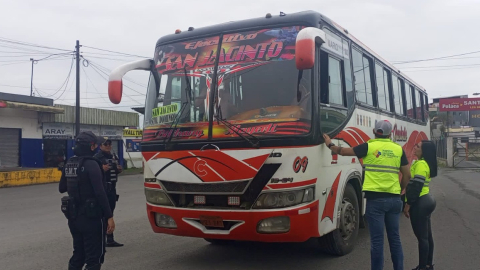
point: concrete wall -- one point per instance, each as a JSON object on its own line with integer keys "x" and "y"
{"x": 25, "y": 120}
{"x": 29, "y": 177}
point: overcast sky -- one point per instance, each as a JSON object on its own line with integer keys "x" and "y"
{"x": 397, "y": 30}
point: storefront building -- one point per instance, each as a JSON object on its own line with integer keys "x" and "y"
{"x": 21, "y": 143}
{"x": 58, "y": 131}
{"x": 35, "y": 133}
{"x": 132, "y": 138}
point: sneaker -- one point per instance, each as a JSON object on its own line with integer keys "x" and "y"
{"x": 114, "y": 244}
{"x": 431, "y": 267}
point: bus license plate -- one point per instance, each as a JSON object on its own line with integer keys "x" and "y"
{"x": 211, "y": 221}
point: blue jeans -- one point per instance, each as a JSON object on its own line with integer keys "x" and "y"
{"x": 384, "y": 213}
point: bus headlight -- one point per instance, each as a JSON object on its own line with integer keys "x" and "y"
{"x": 284, "y": 199}
{"x": 157, "y": 196}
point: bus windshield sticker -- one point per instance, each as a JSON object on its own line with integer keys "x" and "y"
{"x": 165, "y": 114}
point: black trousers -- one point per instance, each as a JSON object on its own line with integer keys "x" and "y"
{"x": 420, "y": 214}
{"x": 112, "y": 200}
{"x": 88, "y": 242}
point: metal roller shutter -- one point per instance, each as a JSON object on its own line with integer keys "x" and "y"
{"x": 9, "y": 147}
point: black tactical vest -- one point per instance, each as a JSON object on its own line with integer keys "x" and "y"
{"x": 111, "y": 176}
{"x": 78, "y": 185}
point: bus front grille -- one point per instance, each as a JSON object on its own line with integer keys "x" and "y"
{"x": 237, "y": 187}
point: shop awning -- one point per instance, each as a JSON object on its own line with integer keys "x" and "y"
{"x": 31, "y": 107}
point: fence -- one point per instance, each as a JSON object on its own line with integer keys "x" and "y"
{"x": 441, "y": 145}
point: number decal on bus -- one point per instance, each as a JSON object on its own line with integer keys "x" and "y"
{"x": 300, "y": 163}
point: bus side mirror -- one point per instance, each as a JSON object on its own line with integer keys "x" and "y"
{"x": 115, "y": 84}
{"x": 305, "y": 45}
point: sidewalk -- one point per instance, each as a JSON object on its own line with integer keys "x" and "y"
{"x": 13, "y": 177}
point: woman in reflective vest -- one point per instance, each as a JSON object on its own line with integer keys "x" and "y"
{"x": 419, "y": 203}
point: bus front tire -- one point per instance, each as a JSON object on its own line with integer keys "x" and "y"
{"x": 342, "y": 240}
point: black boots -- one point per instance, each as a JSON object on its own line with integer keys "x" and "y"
{"x": 111, "y": 242}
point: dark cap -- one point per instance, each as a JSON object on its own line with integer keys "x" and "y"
{"x": 383, "y": 128}
{"x": 88, "y": 137}
{"x": 106, "y": 140}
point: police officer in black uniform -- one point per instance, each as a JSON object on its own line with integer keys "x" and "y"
{"x": 86, "y": 206}
{"x": 112, "y": 168}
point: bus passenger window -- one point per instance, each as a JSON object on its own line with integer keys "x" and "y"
{"x": 362, "y": 79}
{"x": 382, "y": 88}
{"x": 408, "y": 98}
{"x": 397, "y": 94}
{"x": 348, "y": 75}
{"x": 368, "y": 81}
{"x": 418, "y": 105}
{"x": 335, "y": 95}
{"x": 426, "y": 108}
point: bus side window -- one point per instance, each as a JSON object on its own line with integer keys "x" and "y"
{"x": 425, "y": 99}
{"x": 383, "y": 92}
{"x": 350, "y": 99}
{"x": 418, "y": 105}
{"x": 362, "y": 78}
{"x": 408, "y": 98}
{"x": 397, "y": 94}
{"x": 403, "y": 86}
{"x": 335, "y": 92}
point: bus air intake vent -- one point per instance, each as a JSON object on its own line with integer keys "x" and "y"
{"x": 237, "y": 187}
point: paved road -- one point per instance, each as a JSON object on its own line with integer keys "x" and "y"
{"x": 34, "y": 235}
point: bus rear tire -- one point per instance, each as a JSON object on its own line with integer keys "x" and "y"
{"x": 218, "y": 242}
{"x": 342, "y": 240}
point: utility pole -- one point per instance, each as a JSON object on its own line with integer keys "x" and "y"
{"x": 77, "y": 106}
{"x": 31, "y": 78}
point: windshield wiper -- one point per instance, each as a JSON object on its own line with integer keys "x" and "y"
{"x": 231, "y": 127}
{"x": 188, "y": 92}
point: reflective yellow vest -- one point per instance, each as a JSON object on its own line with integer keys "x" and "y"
{"x": 382, "y": 166}
{"x": 420, "y": 171}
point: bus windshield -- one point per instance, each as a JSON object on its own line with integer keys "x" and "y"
{"x": 260, "y": 91}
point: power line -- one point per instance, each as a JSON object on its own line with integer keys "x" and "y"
{"x": 440, "y": 69}
{"x": 98, "y": 92}
{"x": 124, "y": 77}
{"x": 96, "y": 68}
{"x": 115, "y": 52}
{"x": 12, "y": 41}
{"x": 22, "y": 49}
{"x": 108, "y": 54}
{"x": 430, "y": 59}
{"x": 64, "y": 83}
{"x": 22, "y": 52}
{"x": 21, "y": 62}
{"x": 105, "y": 58}
{"x": 98, "y": 72}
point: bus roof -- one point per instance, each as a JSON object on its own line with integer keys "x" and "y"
{"x": 306, "y": 18}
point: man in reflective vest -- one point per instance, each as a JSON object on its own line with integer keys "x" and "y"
{"x": 382, "y": 162}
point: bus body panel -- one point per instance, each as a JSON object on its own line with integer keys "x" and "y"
{"x": 329, "y": 173}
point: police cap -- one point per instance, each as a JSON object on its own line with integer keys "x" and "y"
{"x": 88, "y": 137}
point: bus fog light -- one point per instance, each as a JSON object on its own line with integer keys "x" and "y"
{"x": 274, "y": 225}
{"x": 199, "y": 199}
{"x": 165, "y": 221}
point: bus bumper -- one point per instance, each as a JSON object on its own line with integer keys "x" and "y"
{"x": 303, "y": 223}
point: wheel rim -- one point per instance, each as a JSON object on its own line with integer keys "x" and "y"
{"x": 348, "y": 220}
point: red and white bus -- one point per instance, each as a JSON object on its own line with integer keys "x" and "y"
{"x": 234, "y": 116}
